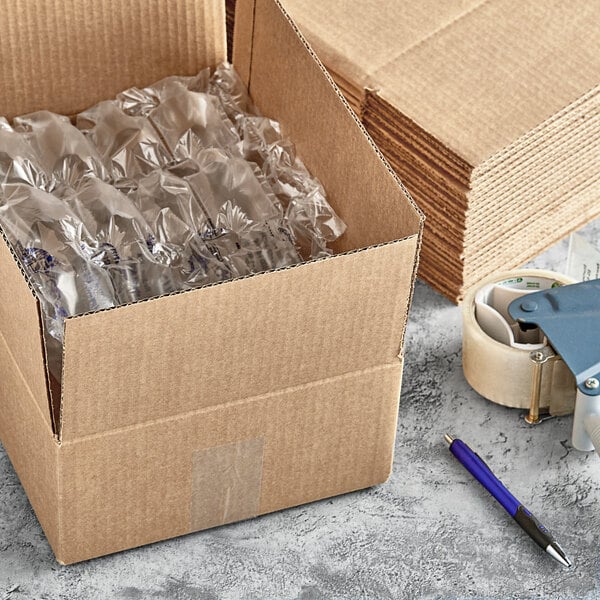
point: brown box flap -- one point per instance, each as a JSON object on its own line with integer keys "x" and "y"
{"x": 236, "y": 340}
{"x": 20, "y": 327}
{"x": 65, "y": 56}
{"x": 287, "y": 81}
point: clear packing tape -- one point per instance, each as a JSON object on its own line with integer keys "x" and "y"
{"x": 499, "y": 357}
{"x": 166, "y": 188}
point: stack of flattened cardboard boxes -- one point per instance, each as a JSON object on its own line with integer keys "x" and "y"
{"x": 217, "y": 404}
{"x": 489, "y": 110}
{"x": 229, "y": 23}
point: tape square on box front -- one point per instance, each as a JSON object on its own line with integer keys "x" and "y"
{"x": 226, "y": 483}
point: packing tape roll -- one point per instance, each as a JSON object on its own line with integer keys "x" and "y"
{"x": 496, "y": 353}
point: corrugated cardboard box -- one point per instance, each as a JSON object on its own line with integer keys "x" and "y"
{"x": 489, "y": 110}
{"x": 222, "y": 403}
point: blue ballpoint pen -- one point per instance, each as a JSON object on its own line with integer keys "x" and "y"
{"x": 477, "y": 467}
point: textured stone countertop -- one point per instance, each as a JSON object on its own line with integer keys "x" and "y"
{"x": 429, "y": 532}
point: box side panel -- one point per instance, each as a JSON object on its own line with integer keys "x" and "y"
{"x": 236, "y": 340}
{"x": 20, "y": 327}
{"x": 288, "y": 83}
{"x": 30, "y": 445}
{"x": 149, "y": 483}
{"x": 64, "y": 56}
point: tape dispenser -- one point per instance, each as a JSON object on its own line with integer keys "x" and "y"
{"x": 531, "y": 339}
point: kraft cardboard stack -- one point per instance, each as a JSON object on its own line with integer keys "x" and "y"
{"x": 229, "y": 23}
{"x": 488, "y": 110}
{"x": 217, "y": 404}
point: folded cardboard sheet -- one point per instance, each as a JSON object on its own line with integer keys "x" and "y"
{"x": 488, "y": 109}
{"x": 288, "y": 380}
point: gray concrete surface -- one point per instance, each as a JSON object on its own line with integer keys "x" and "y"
{"x": 429, "y": 532}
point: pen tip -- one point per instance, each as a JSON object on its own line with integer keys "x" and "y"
{"x": 558, "y": 554}
{"x": 449, "y": 439}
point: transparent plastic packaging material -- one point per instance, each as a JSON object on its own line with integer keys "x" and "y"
{"x": 167, "y": 204}
{"x": 170, "y": 187}
{"x": 128, "y": 144}
{"x": 308, "y": 214}
{"x": 175, "y": 112}
{"x": 191, "y": 115}
{"x": 222, "y": 180}
{"x": 229, "y": 88}
{"x": 217, "y": 239}
{"x": 177, "y": 220}
{"x": 245, "y": 218}
{"x": 119, "y": 240}
{"x": 247, "y": 234}
{"x": 44, "y": 233}
{"x": 61, "y": 150}
{"x": 18, "y": 164}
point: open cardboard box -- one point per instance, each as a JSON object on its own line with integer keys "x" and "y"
{"x": 208, "y": 406}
